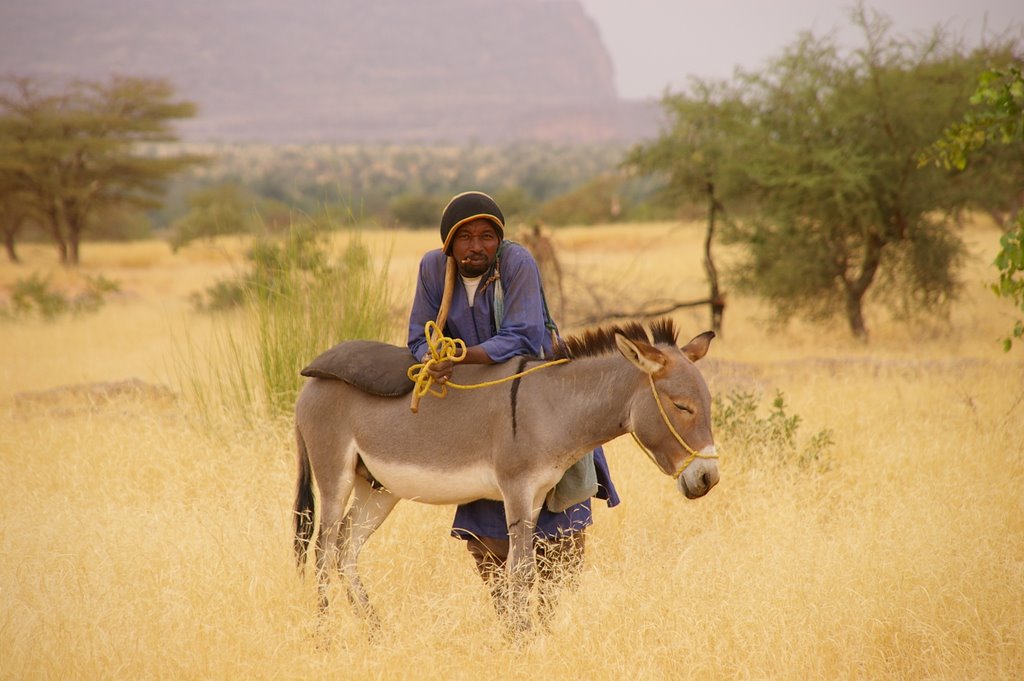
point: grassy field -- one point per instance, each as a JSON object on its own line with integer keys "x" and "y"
{"x": 136, "y": 545}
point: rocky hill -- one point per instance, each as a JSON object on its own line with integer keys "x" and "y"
{"x": 344, "y": 70}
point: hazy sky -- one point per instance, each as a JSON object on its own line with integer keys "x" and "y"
{"x": 659, "y": 43}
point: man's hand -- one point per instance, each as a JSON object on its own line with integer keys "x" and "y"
{"x": 441, "y": 371}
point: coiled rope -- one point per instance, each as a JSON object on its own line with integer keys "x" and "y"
{"x": 445, "y": 349}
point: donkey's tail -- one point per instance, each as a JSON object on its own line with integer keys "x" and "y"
{"x": 305, "y": 503}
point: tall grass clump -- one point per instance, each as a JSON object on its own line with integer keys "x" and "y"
{"x": 294, "y": 302}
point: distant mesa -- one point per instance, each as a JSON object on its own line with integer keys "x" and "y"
{"x": 345, "y": 71}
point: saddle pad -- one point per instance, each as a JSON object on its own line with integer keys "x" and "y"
{"x": 373, "y": 367}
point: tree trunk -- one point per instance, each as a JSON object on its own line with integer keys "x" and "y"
{"x": 62, "y": 247}
{"x": 856, "y": 289}
{"x": 75, "y": 220}
{"x": 12, "y": 253}
{"x": 73, "y": 252}
{"x": 717, "y": 302}
{"x": 54, "y": 218}
{"x": 855, "y": 315}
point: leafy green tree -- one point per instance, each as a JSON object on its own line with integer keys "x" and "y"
{"x": 414, "y": 209}
{"x": 596, "y": 201}
{"x": 996, "y": 120}
{"x": 695, "y": 155}
{"x": 213, "y": 211}
{"x": 816, "y": 160}
{"x": 77, "y": 152}
{"x": 120, "y": 223}
{"x": 515, "y": 203}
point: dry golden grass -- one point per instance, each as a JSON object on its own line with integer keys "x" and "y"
{"x": 133, "y": 545}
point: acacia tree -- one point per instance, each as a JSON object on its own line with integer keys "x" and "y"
{"x": 74, "y": 153}
{"x": 816, "y": 157}
{"x": 694, "y": 153}
{"x": 215, "y": 210}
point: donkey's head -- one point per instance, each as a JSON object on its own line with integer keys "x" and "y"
{"x": 670, "y": 413}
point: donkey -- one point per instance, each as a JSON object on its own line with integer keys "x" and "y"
{"x": 505, "y": 443}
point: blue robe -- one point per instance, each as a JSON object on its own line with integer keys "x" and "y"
{"x": 522, "y": 332}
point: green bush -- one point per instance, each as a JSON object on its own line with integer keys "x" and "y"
{"x": 227, "y": 294}
{"x": 595, "y": 202}
{"x": 1010, "y": 263}
{"x": 214, "y": 211}
{"x": 34, "y": 297}
{"x": 416, "y": 210}
{"x": 770, "y": 440}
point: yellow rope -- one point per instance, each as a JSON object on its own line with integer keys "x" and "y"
{"x": 442, "y": 349}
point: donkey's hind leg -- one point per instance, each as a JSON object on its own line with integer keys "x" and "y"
{"x": 370, "y": 507}
{"x": 334, "y": 494}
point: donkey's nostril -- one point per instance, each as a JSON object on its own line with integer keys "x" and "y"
{"x": 696, "y": 483}
{"x": 710, "y": 479}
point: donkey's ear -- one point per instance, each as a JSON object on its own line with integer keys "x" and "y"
{"x": 698, "y": 347}
{"x": 644, "y": 356}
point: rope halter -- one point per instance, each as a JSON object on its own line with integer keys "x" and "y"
{"x": 693, "y": 454}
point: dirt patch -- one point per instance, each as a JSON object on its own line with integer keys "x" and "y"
{"x": 73, "y": 400}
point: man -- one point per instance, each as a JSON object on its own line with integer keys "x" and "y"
{"x": 497, "y": 308}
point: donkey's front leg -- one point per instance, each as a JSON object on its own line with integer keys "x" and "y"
{"x": 521, "y": 514}
{"x": 370, "y": 507}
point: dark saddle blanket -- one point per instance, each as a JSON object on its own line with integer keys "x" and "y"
{"x": 373, "y": 367}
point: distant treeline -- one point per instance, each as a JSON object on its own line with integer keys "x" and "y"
{"x": 408, "y": 186}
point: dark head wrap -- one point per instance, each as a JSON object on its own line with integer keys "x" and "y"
{"x": 467, "y": 207}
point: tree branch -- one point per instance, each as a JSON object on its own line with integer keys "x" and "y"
{"x": 648, "y": 313}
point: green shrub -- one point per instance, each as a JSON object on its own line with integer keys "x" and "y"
{"x": 1010, "y": 263}
{"x": 94, "y": 296}
{"x": 595, "y": 202}
{"x": 34, "y": 297}
{"x": 416, "y": 210}
{"x": 227, "y": 294}
{"x": 770, "y": 440}
{"x": 214, "y": 211}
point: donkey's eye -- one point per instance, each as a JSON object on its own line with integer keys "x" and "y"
{"x": 682, "y": 407}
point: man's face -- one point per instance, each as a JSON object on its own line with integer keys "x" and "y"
{"x": 475, "y": 246}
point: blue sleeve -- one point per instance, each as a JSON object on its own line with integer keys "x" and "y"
{"x": 427, "y": 301}
{"x": 522, "y": 330}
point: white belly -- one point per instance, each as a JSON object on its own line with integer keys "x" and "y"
{"x": 431, "y": 486}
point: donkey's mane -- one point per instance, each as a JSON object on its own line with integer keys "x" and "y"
{"x": 601, "y": 341}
